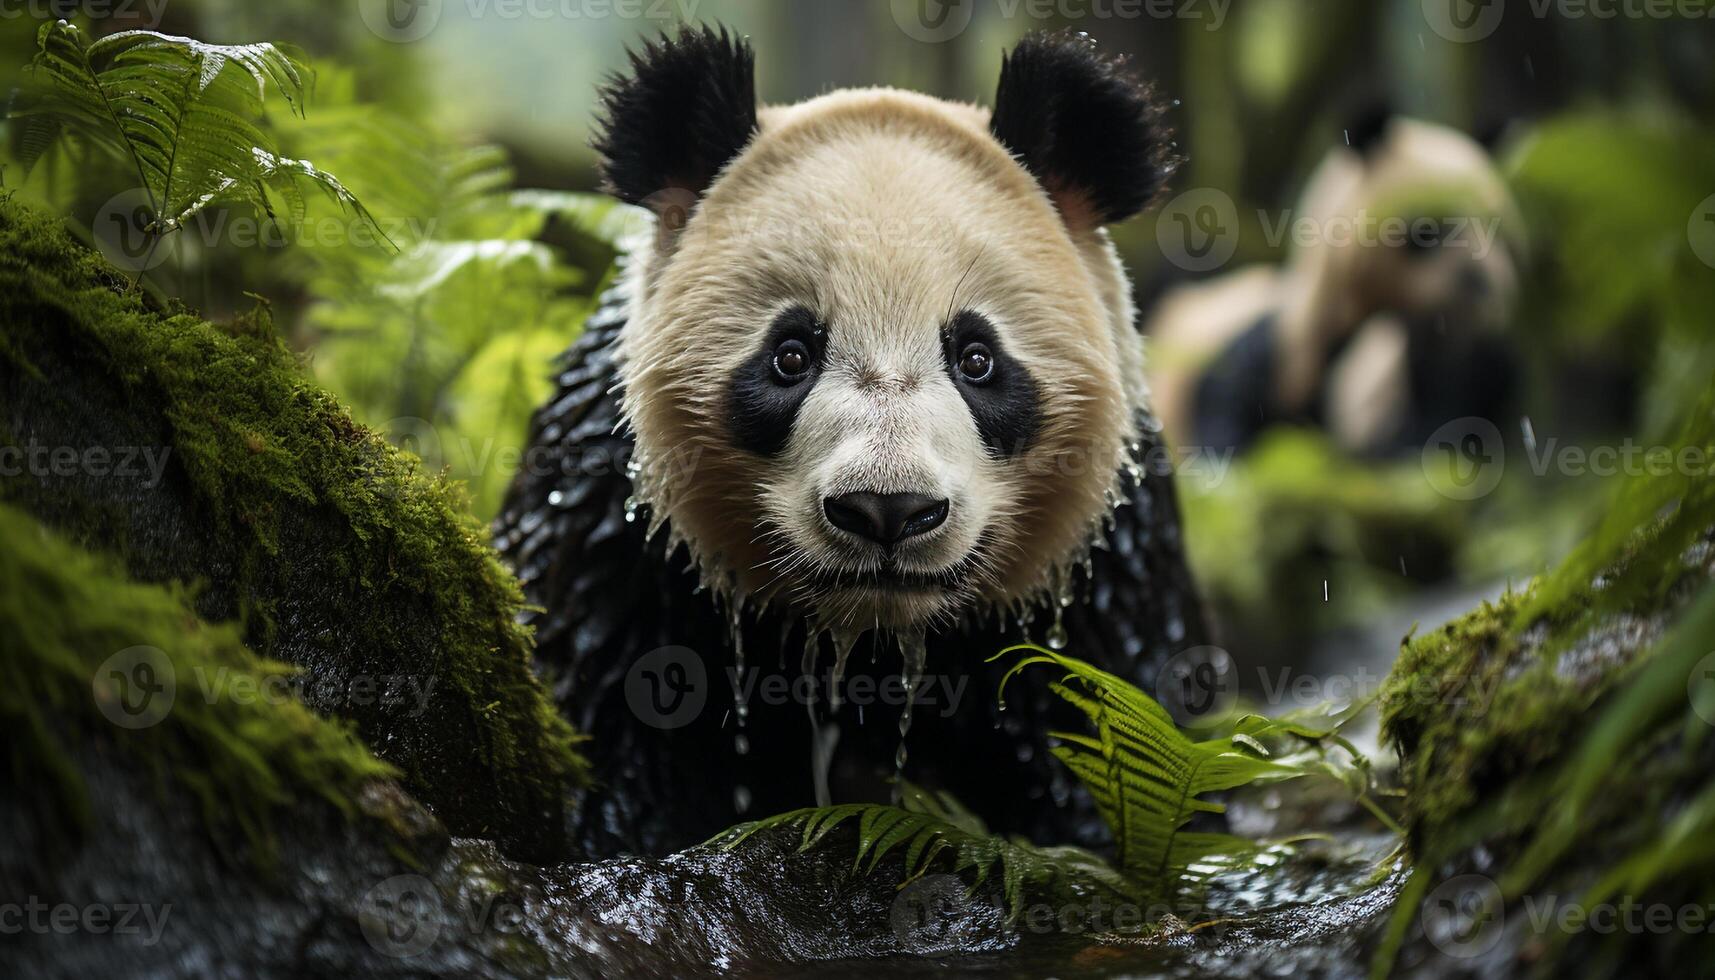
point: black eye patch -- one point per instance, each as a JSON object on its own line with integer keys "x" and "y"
{"x": 1004, "y": 403}
{"x": 763, "y": 402}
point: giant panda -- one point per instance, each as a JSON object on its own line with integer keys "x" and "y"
{"x": 869, "y": 400}
{"x": 1379, "y": 337}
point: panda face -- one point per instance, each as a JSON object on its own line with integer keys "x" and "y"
{"x": 899, "y": 373}
{"x": 1449, "y": 254}
{"x": 880, "y": 363}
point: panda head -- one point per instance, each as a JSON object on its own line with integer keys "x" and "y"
{"x": 881, "y": 368}
{"x": 1428, "y": 226}
{"x": 1418, "y": 226}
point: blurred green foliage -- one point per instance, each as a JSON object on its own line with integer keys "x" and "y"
{"x": 434, "y": 308}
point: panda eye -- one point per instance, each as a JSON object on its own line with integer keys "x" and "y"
{"x": 791, "y": 362}
{"x": 976, "y": 364}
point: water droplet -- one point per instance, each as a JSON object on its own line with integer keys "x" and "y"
{"x": 1057, "y": 637}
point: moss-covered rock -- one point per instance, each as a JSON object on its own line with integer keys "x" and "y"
{"x": 92, "y": 657}
{"x": 198, "y": 453}
{"x": 1560, "y": 769}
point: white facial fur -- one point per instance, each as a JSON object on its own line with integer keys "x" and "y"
{"x": 884, "y": 417}
{"x": 883, "y": 213}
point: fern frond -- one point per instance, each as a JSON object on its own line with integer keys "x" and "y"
{"x": 936, "y": 828}
{"x": 1148, "y": 779}
{"x": 183, "y": 112}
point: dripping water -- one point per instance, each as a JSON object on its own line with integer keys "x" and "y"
{"x": 741, "y": 704}
{"x": 741, "y": 701}
{"x": 822, "y": 738}
{"x": 844, "y": 641}
{"x": 912, "y": 651}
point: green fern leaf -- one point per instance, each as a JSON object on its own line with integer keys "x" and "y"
{"x": 1148, "y": 778}
{"x": 929, "y": 828}
{"x": 183, "y": 112}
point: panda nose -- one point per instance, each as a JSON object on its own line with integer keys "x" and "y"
{"x": 885, "y": 518}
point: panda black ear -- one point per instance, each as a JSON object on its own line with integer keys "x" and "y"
{"x": 686, "y": 109}
{"x": 1092, "y": 133}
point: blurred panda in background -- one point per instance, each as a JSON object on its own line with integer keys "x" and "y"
{"x": 1388, "y": 320}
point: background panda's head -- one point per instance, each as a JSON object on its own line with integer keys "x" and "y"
{"x": 881, "y": 366}
{"x": 1415, "y": 222}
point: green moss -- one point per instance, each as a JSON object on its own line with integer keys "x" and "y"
{"x": 1493, "y": 697}
{"x": 1550, "y": 733}
{"x": 321, "y": 539}
{"x": 76, "y": 635}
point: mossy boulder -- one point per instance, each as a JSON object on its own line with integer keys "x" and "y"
{"x": 96, "y": 662}
{"x": 1558, "y": 755}
{"x": 198, "y": 453}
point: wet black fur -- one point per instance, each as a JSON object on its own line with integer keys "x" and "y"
{"x": 687, "y": 108}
